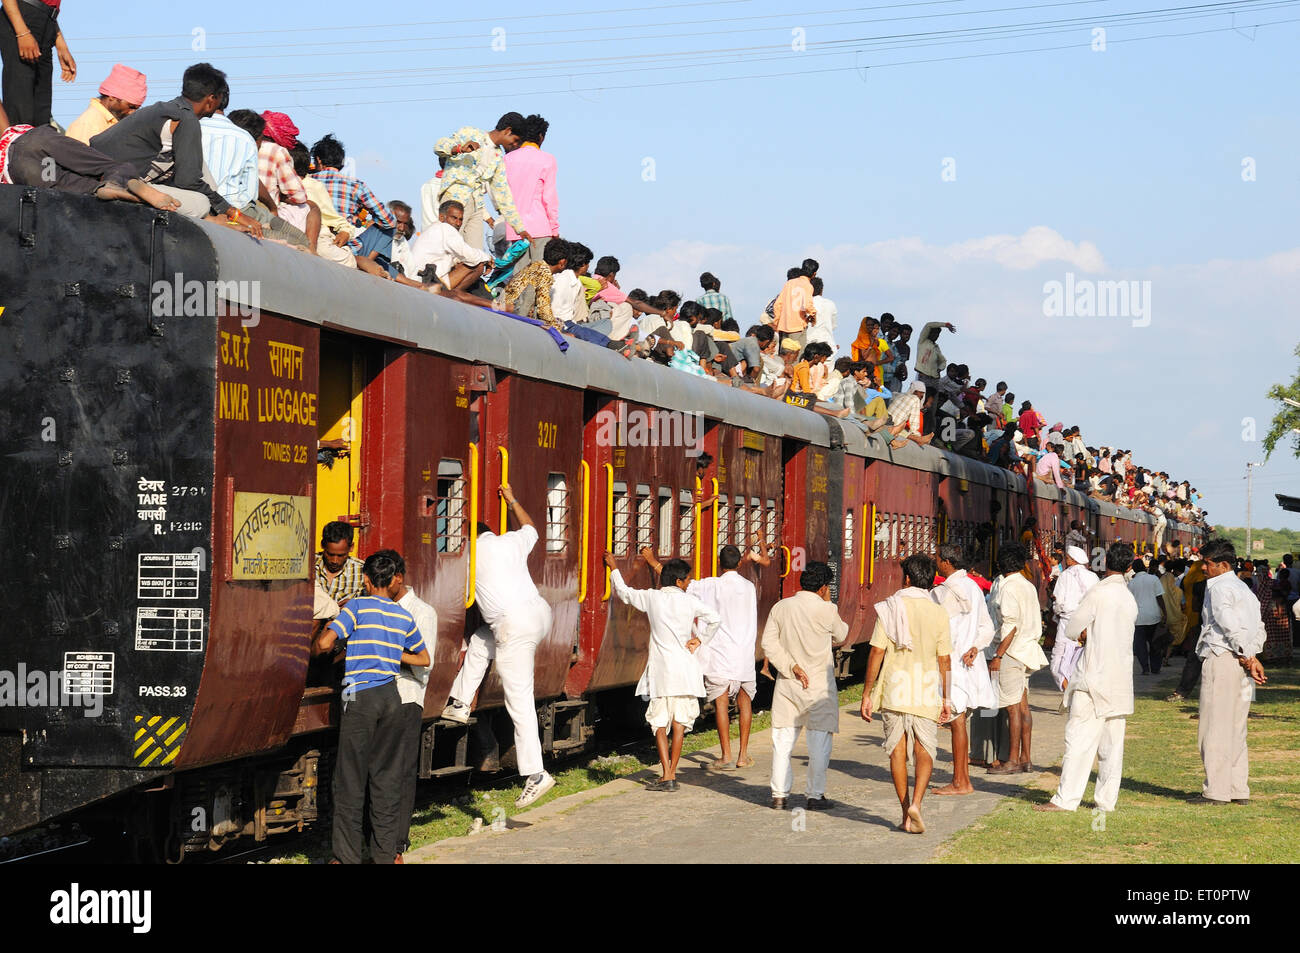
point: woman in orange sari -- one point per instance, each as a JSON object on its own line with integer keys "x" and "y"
{"x": 870, "y": 347}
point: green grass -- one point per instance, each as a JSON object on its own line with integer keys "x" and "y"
{"x": 1153, "y": 823}
{"x": 440, "y": 817}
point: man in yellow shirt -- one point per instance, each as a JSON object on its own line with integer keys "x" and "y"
{"x": 909, "y": 673}
{"x": 120, "y": 95}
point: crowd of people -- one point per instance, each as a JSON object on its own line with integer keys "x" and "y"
{"x": 250, "y": 171}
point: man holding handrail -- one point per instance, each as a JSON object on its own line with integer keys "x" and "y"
{"x": 516, "y": 618}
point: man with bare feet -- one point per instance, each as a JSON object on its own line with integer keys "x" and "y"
{"x": 1019, "y": 619}
{"x": 908, "y": 674}
{"x": 972, "y": 632}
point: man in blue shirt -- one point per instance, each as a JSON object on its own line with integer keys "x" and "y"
{"x": 380, "y": 637}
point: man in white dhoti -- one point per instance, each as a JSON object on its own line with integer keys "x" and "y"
{"x": 728, "y": 660}
{"x": 908, "y": 677}
{"x": 1020, "y": 624}
{"x": 1074, "y": 581}
{"x": 971, "y": 630}
{"x": 1100, "y": 693}
{"x": 1232, "y": 632}
{"x": 672, "y": 682}
{"x": 799, "y": 641}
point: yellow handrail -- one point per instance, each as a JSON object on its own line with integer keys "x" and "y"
{"x": 871, "y": 573}
{"x": 715, "y": 526}
{"x": 505, "y": 479}
{"x": 609, "y": 524}
{"x": 586, "y": 531}
{"x": 698, "y": 488}
{"x": 862, "y": 548}
{"x": 473, "y": 523}
{"x": 785, "y": 572}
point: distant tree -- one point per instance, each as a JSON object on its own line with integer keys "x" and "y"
{"x": 1287, "y": 420}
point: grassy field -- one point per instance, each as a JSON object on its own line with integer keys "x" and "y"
{"x": 440, "y": 817}
{"x": 1153, "y": 823}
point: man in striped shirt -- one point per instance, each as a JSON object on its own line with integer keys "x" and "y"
{"x": 352, "y": 198}
{"x": 713, "y": 296}
{"x": 380, "y": 637}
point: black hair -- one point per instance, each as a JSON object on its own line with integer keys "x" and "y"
{"x": 709, "y": 282}
{"x": 672, "y": 571}
{"x": 395, "y": 557}
{"x": 712, "y": 316}
{"x": 328, "y": 152}
{"x": 809, "y": 267}
{"x": 637, "y": 294}
{"x": 380, "y": 568}
{"x": 535, "y": 128}
{"x": 1008, "y": 398}
{"x": 556, "y": 251}
{"x": 844, "y": 365}
{"x": 1002, "y": 385}
{"x": 512, "y": 121}
{"x": 400, "y": 206}
{"x": 1119, "y": 556}
{"x": 448, "y": 205}
{"x": 480, "y": 528}
{"x": 249, "y": 121}
{"x": 690, "y": 311}
{"x": 814, "y": 576}
{"x": 729, "y": 324}
{"x": 336, "y": 531}
{"x": 1219, "y": 551}
{"x": 952, "y": 552}
{"x": 1011, "y": 558}
{"x": 817, "y": 285}
{"x": 792, "y": 273}
{"x": 203, "y": 80}
{"x": 670, "y": 298}
{"x": 763, "y": 332}
{"x": 887, "y": 318}
{"x": 704, "y": 460}
{"x": 225, "y": 100}
{"x": 607, "y": 265}
{"x": 1137, "y": 565}
{"x": 855, "y": 366}
{"x": 301, "y": 160}
{"x": 579, "y": 255}
{"x": 918, "y": 570}
{"x": 728, "y": 557}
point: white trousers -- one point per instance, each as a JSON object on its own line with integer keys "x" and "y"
{"x": 1065, "y": 656}
{"x": 513, "y": 643}
{"x": 1226, "y": 692}
{"x": 819, "y": 758}
{"x": 1088, "y": 737}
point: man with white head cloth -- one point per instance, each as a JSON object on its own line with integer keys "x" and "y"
{"x": 972, "y": 631}
{"x": 1071, "y": 586}
{"x": 1100, "y": 695}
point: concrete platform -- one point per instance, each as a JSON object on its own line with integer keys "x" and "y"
{"x": 724, "y": 817}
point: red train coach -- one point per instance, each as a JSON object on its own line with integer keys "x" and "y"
{"x": 166, "y": 390}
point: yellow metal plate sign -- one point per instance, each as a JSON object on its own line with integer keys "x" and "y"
{"x": 272, "y": 537}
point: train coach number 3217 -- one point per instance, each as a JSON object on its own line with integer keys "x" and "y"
{"x": 163, "y": 691}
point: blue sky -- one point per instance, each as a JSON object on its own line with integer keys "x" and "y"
{"x": 1117, "y": 164}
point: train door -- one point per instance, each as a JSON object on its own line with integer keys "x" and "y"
{"x": 806, "y": 519}
{"x": 854, "y": 524}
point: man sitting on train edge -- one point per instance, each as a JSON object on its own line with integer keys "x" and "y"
{"x": 337, "y": 571}
{"x": 381, "y": 637}
{"x": 516, "y": 618}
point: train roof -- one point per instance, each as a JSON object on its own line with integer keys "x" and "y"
{"x": 311, "y": 289}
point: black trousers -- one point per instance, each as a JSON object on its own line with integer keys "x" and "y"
{"x": 45, "y": 159}
{"x": 370, "y": 758}
{"x": 1142, "y": 636}
{"x": 412, "y": 716}
{"x": 1191, "y": 674}
{"x": 28, "y": 87}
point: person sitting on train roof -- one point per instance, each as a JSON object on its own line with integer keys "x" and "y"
{"x": 26, "y": 153}
{"x": 747, "y": 354}
{"x": 905, "y": 414}
{"x": 953, "y": 383}
{"x": 713, "y": 296}
{"x": 230, "y": 155}
{"x": 440, "y": 255}
{"x": 540, "y": 276}
{"x": 1048, "y": 468}
{"x": 476, "y": 166}
{"x": 279, "y": 180}
{"x": 869, "y": 346}
{"x": 337, "y": 570}
{"x": 121, "y": 94}
{"x": 353, "y": 200}
{"x": 839, "y": 373}
{"x": 901, "y": 352}
{"x": 623, "y": 307}
{"x": 336, "y": 231}
{"x": 163, "y": 144}
{"x": 566, "y": 289}
{"x": 930, "y": 362}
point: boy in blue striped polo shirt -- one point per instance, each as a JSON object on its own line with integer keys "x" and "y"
{"x": 380, "y": 637}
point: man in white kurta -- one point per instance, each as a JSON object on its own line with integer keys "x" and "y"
{"x": 728, "y": 660}
{"x": 672, "y": 681}
{"x": 971, "y": 630}
{"x": 799, "y": 641}
{"x": 1018, "y": 654}
{"x": 1099, "y": 696}
{"x": 1232, "y": 633}
{"x": 1075, "y": 580}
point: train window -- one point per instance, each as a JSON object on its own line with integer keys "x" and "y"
{"x": 685, "y": 523}
{"x": 724, "y": 521}
{"x": 770, "y": 532}
{"x": 741, "y": 532}
{"x": 848, "y": 534}
{"x": 557, "y": 513}
{"x": 645, "y": 517}
{"x": 895, "y": 522}
{"x": 881, "y": 540}
{"x": 665, "y": 521}
{"x": 449, "y": 507}
{"x": 622, "y": 521}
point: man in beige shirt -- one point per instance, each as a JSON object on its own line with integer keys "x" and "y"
{"x": 1019, "y": 620}
{"x": 798, "y": 640}
{"x": 120, "y": 95}
{"x": 909, "y": 673}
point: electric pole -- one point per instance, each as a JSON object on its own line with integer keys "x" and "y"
{"x": 1250, "y": 485}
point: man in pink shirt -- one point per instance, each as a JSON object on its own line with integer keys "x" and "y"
{"x": 531, "y": 175}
